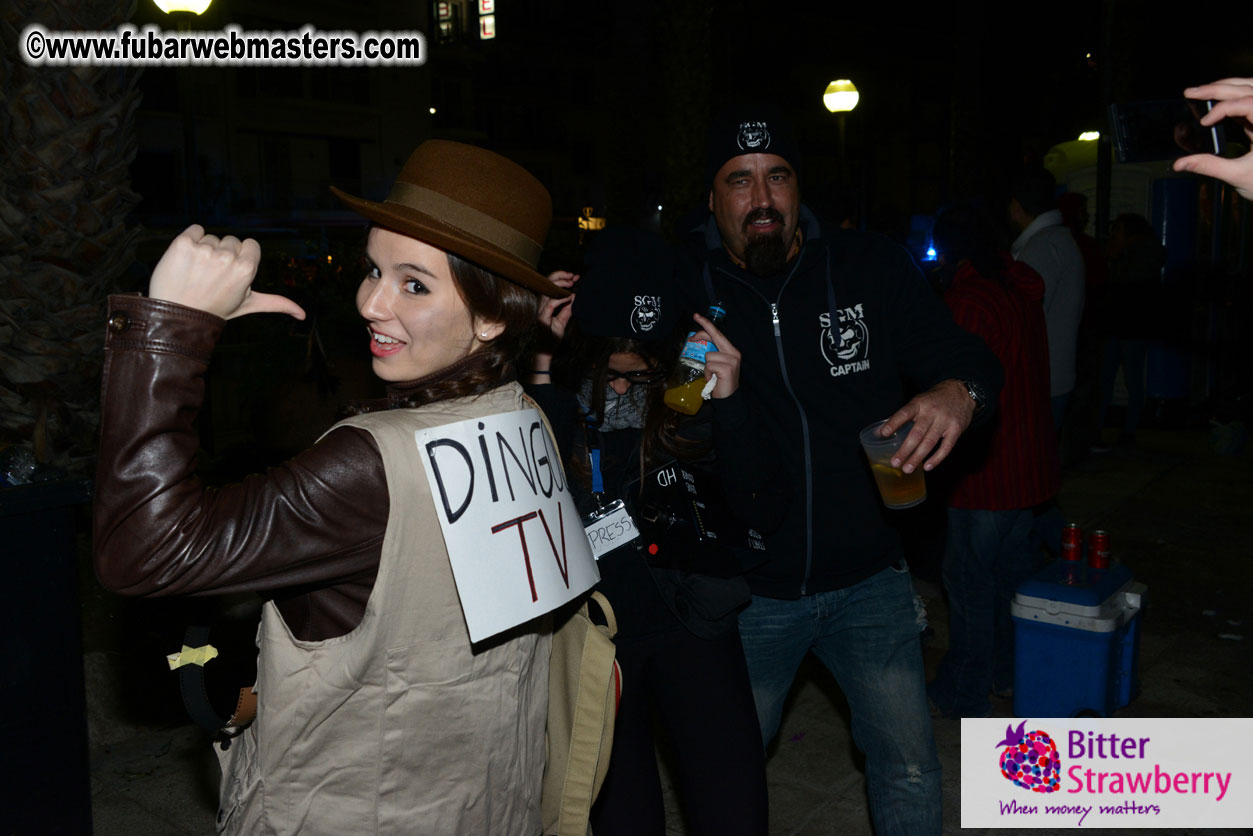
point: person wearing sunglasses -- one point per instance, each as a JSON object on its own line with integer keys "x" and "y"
{"x": 678, "y": 641}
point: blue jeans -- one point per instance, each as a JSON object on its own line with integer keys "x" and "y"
{"x": 868, "y": 638}
{"x": 987, "y": 556}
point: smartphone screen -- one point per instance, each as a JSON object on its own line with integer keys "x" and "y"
{"x": 1163, "y": 130}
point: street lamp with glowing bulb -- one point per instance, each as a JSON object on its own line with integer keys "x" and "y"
{"x": 840, "y": 97}
{"x": 182, "y": 11}
{"x": 196, "y": 7}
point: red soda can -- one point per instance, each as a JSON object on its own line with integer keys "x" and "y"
{"x": 1071, "y": 578}
{"x": 1098, "y": 550}
{"x": 1072, "y": 543}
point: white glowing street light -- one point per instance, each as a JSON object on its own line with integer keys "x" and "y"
{"x": 196, "y": 7}
{"x": 182, "y": 12}
{"x": 841, "y": 96}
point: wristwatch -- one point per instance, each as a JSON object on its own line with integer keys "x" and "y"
{"x": 977, "y": 394}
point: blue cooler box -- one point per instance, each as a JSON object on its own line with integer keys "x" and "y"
{"x": 1076, "y": 641}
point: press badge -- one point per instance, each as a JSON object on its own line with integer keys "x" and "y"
{"x": 609, "y": 527}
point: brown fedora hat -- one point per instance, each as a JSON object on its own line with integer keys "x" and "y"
{"x": 473, "y": 203}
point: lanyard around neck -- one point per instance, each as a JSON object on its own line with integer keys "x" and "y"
{"x": 593, "y": 457}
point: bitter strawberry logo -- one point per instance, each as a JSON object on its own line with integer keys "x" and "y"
{"x": 1030, "y": 759}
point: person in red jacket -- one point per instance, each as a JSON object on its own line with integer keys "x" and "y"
{"x": 1000, "y": 471}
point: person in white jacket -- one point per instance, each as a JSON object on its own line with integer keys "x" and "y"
{"x": 1046, "y": 244}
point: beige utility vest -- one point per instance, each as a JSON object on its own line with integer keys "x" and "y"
{"x": 399, "y": 727}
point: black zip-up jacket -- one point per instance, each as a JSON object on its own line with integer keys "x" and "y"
{"x": 841, "y": 338}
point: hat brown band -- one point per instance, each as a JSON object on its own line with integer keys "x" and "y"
{"x": 471, "y": 220}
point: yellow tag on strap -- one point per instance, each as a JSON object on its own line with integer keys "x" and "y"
{"x": 192, "y": 656}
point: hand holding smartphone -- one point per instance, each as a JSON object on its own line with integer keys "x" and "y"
{"x": 1230, "y": 98}
{"x": 1164, "y": 130}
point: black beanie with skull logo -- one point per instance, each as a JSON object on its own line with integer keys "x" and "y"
{"x": 626, "y": 287}
{"x": 749, "y": 129}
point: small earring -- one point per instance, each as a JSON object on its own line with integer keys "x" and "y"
{"x": 483, "y": 335}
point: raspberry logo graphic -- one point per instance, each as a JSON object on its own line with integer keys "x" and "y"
{"x": 1030, "y": 759}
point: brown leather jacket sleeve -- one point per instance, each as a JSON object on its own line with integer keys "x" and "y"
{"x": 307, "y": 533}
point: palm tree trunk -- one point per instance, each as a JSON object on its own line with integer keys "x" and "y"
{"x": 67, "y": 138}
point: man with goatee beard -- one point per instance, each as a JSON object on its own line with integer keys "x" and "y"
{"x": 829, "y": 322}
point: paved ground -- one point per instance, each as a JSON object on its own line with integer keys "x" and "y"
{"x": 1180, "y": 517}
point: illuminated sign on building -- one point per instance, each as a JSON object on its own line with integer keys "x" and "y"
{"x": 588, "y": 221}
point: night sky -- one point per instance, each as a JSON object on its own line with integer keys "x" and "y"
{"x": 608, "y": 103}
{"x": 952, "y": 94}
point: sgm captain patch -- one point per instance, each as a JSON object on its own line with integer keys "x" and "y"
{"x": 846, "y": 348}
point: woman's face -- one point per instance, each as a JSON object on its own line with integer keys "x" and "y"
{"x": 622, "y": 362}
{"x": 417, "y": 320}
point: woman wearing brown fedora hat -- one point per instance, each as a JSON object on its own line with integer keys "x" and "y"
{"x": 375, "y": 713}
